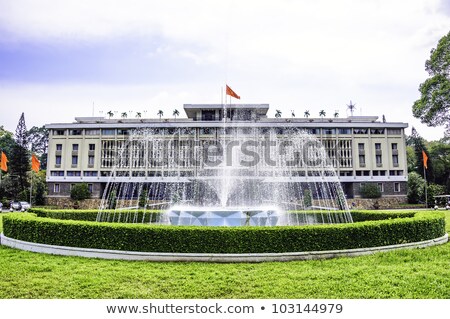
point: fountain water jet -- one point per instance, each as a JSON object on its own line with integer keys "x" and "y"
{"x": 232, "y": 177}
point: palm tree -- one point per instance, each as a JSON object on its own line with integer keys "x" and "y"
{"x": 277, "y": 114}
{"x": 124, "y": 115}
{"x": 292, "y": 113}
{"x": 306, "y": 114}
{"x": 336, "y": 114}
{"x": 110, "y": 114}
{"x": 322, "y": 114}
{"x": 160, "y": 114}
{"x": 175, "y": 113}
{"x": 138, "y": 115}
{"x": 351, "y": 107}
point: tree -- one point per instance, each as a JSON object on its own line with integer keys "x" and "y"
{"x": 175, "y": 113}
{"x": 277, "y": 114}
{"x": 6, "y": 141}
{"x": 336, "y": 114}
{"x": 307, "y": 198}
{"x": 370, "y": 190}
{"x": 138, "y": 115}
{"x": 160, "y": 114}
{"x": 124, "y": 115}
{"x": 110, "y": 114}
{"x": 19, "y": 161}
{"x": 306, "y": 114}
{"x": 292, "y": 113}
{"x": 419, "y": 144}
{"x": 433, "y": 107}
{"x": 440, "y": 154}
{"x": 80, "y": 192}
{"x": 416, "y": 188}
{"x": 39, "y": 188}
{"x": 38, "y": 139}
{"x": 434, "y": 190}
{"x": 322, "y": 113}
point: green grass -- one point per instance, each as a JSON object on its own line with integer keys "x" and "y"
{"x": 417, "y": 273}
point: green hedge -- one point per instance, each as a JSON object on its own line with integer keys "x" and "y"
{"x": 131, "y": 216}
{"x": 191, "y": 239}
{"x": 155, "y": 215}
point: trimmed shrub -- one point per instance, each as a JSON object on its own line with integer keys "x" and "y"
{"x": 132, "y": 216}
{"x": 370, "y": 190}
{"x": 80, "y": 192}
{"x": 191, "y": 239}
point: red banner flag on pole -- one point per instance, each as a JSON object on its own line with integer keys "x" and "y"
{"x": 4, "y": 162}
{"x": 425, "y": 159}
{"x": 230, "y": 92}
{"x": 35, "y": 164}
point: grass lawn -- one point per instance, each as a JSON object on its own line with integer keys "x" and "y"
{"x": 417, "y": 273}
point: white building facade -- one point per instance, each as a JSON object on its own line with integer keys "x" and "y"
{"x": 361, "y": 149}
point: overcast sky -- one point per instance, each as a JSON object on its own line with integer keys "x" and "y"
{"x": 62, "y": 59}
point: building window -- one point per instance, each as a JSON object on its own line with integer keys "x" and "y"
{"x": 59, "y": 132}
{"x": 75, "y": 132}
{"x": 90, "y": 173}
{"x": 378, "y": 160}
{"x": 344, "y": 131}
{"x": 315, "y": 131}
{"x": 394, "y": 146}
{"x": 329, "y": 131}
{"x": 377, "y": 131}
{"x": 123, "y": 132}
{"x": 74, "y": 160}
{"x": 57, "y": 173}
{"x": 362, "y": 160}
{"x": 381, "y": 187}
{"x": 378, "y": 146}
{"x": 92, "y": 147}
{"x": 360, "y": 131}
{"x": 56, "y": 188}
{"x": 92, "y": 132}
{"x": 58, "y": 159}
{"x": 109, "y": 132}
{"x": 395, "y": 160}
{"x": 90, "y": 188}
{"x": 397, "y": 187}
{"x": 59, "y": 147}
{"x": 361, "y": 146}
{"x": 394, "y": 131}
{"x": 74, "y": 147}
{"x": 91, "y": 160}
{"x": 73, "y": 173}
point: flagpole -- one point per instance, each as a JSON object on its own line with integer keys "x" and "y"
{"x": 31, "y": 187}
{"x": 426, "y": 195}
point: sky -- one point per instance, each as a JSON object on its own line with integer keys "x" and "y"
{"x": 65, "y": 59}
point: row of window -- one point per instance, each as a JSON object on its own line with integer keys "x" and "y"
{"x": 74, "y": 173}
{"x": 374, "y": 173}
{"x": 396, "y": 185}
{"x": 378, "y": 154}
{"x": 57, "y": 188}
{"x": 75, "y": 147}
{"x": 229, "y": 130}
{"x": 56, "y": 173}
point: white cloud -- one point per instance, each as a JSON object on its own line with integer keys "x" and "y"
{"x": 293, "y": 54}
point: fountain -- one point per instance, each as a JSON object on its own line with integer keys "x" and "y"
{"x": 225, "y": 176}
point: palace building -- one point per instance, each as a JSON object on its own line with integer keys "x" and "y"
{"x": 361, "y": 149}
